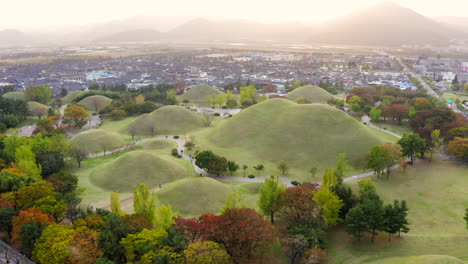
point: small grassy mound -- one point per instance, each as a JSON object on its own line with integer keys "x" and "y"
{"x": 14, "y": 95}
{"x": 95, "y": 103}
{"x": 158, "y": 144}
{"x": 305, "y": 136}
{"x": 199, "y": 94}
{"x": 96, "y": 140}
{"x": 137, "y": 167}
{"x": 311, "y": 93}
{"x": 196, "y": 196}
{"x": 425, "y": 259}
{"x": 36, "y": 107}
{"x": 68, "y": 99}
{"x": 167, "y": 120}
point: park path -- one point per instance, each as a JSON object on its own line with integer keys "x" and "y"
{"x": 366, "y": 119}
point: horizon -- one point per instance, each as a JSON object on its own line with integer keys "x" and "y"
{"x": 43, "y": 18}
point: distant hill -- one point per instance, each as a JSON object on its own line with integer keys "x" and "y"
{"x": 11, "y": 37}
{"x": 199, "y": 94}
{"x": 386, "y": 24}
{"x": 311, "y": 93}
{"x": 138, "y": 35}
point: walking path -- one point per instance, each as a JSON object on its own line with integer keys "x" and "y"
{"x": 366, "y": 119}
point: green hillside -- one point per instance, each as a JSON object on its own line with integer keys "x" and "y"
{"x": 68, "y": 99}
{"x": 96, "y": 140}
{"x": 304, "y": 136}
{"x": 311, "y": 93}
{"x": 35, "y": 107}
{"x": 95, "y": 103}
{"x": 137, "y": 167}
{"x": 199, "y": 94}
{"x": 166, "y": 120}
{"x": 14, "y": 95}
{"x": 425, "y": 259}
{"x": 196, "y": 196}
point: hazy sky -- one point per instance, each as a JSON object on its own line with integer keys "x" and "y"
{"x": 77, "y": 12}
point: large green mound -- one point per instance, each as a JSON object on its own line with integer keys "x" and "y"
{"x": 311, "y": 93}
{"x": 305, "y": 136}
{"x": 14, "y": 95}
{"x": 196, "y": 196}
{"x": 95, "y": 103}
{"x": 36, "y": 107}
{"x": 68, "y": 99}
{"x": 137, "y": 167}
{"x": 166, "y": 120}
{"x": 199, "y": 94}
{"x": 425, "y": 259}
{"x": 158, "y": 144}
{"x": 97, "y": 140}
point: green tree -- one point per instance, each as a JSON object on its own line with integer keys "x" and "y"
{"x": 50, "y": 205}
{"x": 402, "y": 222}
{"x": 206, "y": 252}
{"x": 374, "y": 211}
{"x": 234, "y": 200}
{"x": 436, "y": 141}
{"x": 146, "y": 242}
{"x": 115, "y": 204}
{"x": 341, "y": 166}
{"x": 466, "y": 217}
{"x": 259, "y": 168}
{"x": 220, "y": 100}
{"x": 232, "y": 166}
{"x": 329, "y": 178}
{"x": 6, "y": 220}
{"x": 375, "y": 113}
{"x": 26, "y": 161}
{"x": 247, "y": 95}
{"x": 330, "y": 206}
{"x": 144, "y": 202}
{"x": 53, "y": 247}
{"x": 110, "y": 236}
{"x": 270, "y": 193}
{"x": 356, "y": 222}
{"x": 41, "y": 94}
{"x": 76, "y": 116}
{"x": 377, "y": 159}
{"x": 411, "y": 144}
{"x": 164, "y": 217}
{"x": 313, "y": 171}
{"x": 283, "y": 167}
{"x": 244, "y": 168}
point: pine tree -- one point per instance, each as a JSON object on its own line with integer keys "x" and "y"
{"x": 374, "y": 212}
{"x": 391, "y": 218}
{"x": 356, "y": 222}
{"x": 402, "y": 218}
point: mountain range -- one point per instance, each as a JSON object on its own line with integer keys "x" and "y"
{"x": 386, "y": 24}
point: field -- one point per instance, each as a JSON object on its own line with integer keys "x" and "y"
{"x": 176, "y": 120}
{"x": 14, "y": 95}
{"x": 97, "y": 140}
{"x": 437, "y": 196}
{"x": 95, "y": 103}
{"x": 304, "y": 136}
{"x": 199, "y": 94}
{"x": 311, "y": 93}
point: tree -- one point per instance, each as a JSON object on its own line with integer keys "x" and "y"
{"x": 220, "y": 100}
{"x": 341, "y": 166}
{"x": 27, "y": 228}
{"x": 345, "y": 193}
{"x": 330, "y": 205}
{"x": 50, "y": 205}
{"x": 377, "y": 159}
{"x": 313, "y": 171}
{"x": 421, "y": 103}
{"x": 208, "y": 119}
{"x": 466, "y": 217}
{"x": 26, "y": 161}
{"x": 436, "y": 141}
{"x": 206, "y": 252}
{"x": 247, "y": 95}
{"x": 283, "y": 167}
{"x": 203, "y": 158}
{"x": 6, "y": 220}
{"x": 374, "y": 211}
{"x": 298, "y": 205}
{"x": 84, "y": 247}
{"x": 294, "y": 247}
{"x": 164, "y": 217}
{"x": 329, "y": 178}
{"x": 402, "y": 221}
{"x": 217, "y": 165}
{"x": 259, "y": 168}
{"x": 234, "y": 200}
{"x": 76, "y": 115}
{"x": 356, "y": 222}
{"x": 244, "y": 168}
{"x": 144, "y": 243}
{"x": 27, "y": 196}
{"x": 411, "y": 144}
{"x": 115, "y": 204}
{"x": 54, "y": 245}
{"x": 271, "y": 191}
{"x": 375, "y": 114}
{"x": 144, "y": 202}
{"x": 232, "y": 166}
{"x": 458, "y": 147}
{"x": 110, "y": 236}
{"x": 78, "y": 154}
{"x": 41, "y": 94}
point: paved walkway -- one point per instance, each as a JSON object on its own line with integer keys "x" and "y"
{"x": 366, "y": 119}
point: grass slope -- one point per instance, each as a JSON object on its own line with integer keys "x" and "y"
{"x": 137, "y": 167}
{"x": 91, "y": 103}
{"x": 14, "y": 95}
{"x": 170, "y": 119}
{"x": 199, "y": 94}
{"x": 95, "y": 140}
{"x": 425, "y": 259}
{"x": 196, "y": 196}
{"x": 312, "y": 93}
{"x": 437, "y": 195}
{"x": 304, "y": 136}
{"x": 68, "y": 99}
{"x": 158, "y": 145}
{"x": 33, "y": 106}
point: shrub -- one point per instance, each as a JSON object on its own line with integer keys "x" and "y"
{"x": 295, "y": 183}
{"x": 179, "y": 156}
{"x": 216, "y": 114}
{"x": 175, "y": 152}
{"x": 251, "y": 176}
{"x": 176, "y": 137}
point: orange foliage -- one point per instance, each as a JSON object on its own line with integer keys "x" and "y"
{"x": 32, "y": 215}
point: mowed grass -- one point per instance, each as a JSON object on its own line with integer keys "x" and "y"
{"x": 95, "y": 103}
{"x": 118, "y": 126}
{"x": 35, "y": 106}
{"x": 167, "y": 120}
{"x": 97, "y": 140}
{"x": 437, "y": 195}
{"x": 304, "y": 136}
{"x": 312, "y": 93}
{"x": 14, "y": 95}
{"x": 425, "y": 259}
{"x": 137, "y": 167}
{"x": 196, "y": 196}
{"x": 394, "y": 126}
{"x": 199, "y": 94}
{"x": 158, "y": 145}
{"x": 68, "y": 99}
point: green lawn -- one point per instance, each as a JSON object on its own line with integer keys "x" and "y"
{"x": 437, "y": 195}
{"x": 393, "y": 126}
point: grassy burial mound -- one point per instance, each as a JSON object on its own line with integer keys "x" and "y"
{"x": 95, "y": 103}
{"x": 137, "y": 167}
{"x": 311, "y": 93}
{"x": 38, "y": 109}
{"x": 68, "y": 99}
{"x": 158, "y": 144}
{"x": 199, "y": 94}
{"x": 166, "y": 120}
{"x": 14, "y": 95}
{"x": 305, "y": 136}
{"x": 97, "y": 140}
{"x": 196, "y": 196}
